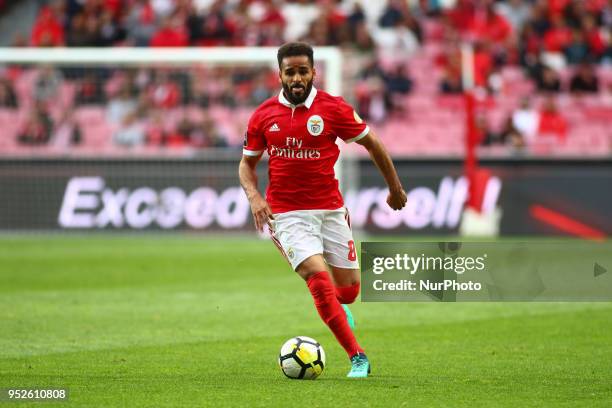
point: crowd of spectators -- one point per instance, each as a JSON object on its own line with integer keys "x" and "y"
{"x": 544, "y": 37}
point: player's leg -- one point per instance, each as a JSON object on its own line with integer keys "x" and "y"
{"x": 298, "y": 235}
{"x": 340, "y": 254}
{"x": 314, "y": 271}
{"x": 346, "y": 282}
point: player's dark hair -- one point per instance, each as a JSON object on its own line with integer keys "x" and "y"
{"x": 295, "y": 49}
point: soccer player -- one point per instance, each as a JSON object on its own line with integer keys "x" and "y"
{"x": 303, "y": 206}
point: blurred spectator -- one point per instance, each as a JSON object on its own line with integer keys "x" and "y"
{"x": 573, "y": 13}
{"x": 47, "y": 30}
{"x": 547, "y": 79}
{"x": 67, "y": 132}
{"x": 131, "y": 132}
{"x": 398, "y": 83}
{"x": 594, "y": 38}
{"x": 260, "y": 90}
{"x": 461, "y": 16}
{"x": 80, "y": 34}
{"x": 584, "y": 80}
{"x": 484, "y": 133}
{"x": 37, "y": 128}
{"x": 141, "y": 23}
{"x": 363, "y": 40}
{"x": 319, "y": 34}
{"x": 171, "y": 33}
{"x": 206, "y": 134}
{"x": 510, "y": 136}
{"x": 606, "y": 14}
{"x": 155, "y": 132}
{"x": 577, "y": 50}
{"x": 451, "y": 81}
{"x": 210, "y": 29}
{"x": 539, "y": 21}
{"x": 162, "y": 8}
{"x": 355, "y": 18}
{"x": 121, "y": 106}
{"x": 558, "y": 37}
{"x": 392, "y": 15}
{"x": 396, "y": 34}
{"x": 373, "y": 97}
{"x": 490, "y": 26}
{"x": 299, "y": 15}
{"x": 164, "y": 93}
{"x": 181, "y": 135}
{"x": 109, "y": 31}
{"x": 606, "y": 57}
{"x": 89, "y": 90}
{"x": 47, "y": 84}
{"x": 516, "y": 12}
{"x": 8, "y": 98}
{"x": 525, "y": 120}
{"x": 552, "y": 123}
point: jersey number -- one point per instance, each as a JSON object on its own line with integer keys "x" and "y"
{"x": 352, "y": 255}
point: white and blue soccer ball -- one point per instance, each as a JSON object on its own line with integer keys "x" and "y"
{"x": 302, "y": 358}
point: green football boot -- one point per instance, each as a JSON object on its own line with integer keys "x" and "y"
{"x": 360, "y": 366}
{"x": 349, "y": 317}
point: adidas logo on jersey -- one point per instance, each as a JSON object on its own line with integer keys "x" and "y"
{"x": 274, "y": 128}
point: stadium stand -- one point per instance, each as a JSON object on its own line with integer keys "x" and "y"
{"x": 402, "y": 73}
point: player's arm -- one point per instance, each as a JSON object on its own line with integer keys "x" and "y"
{"x": 248, "y": 180}
{"x": 380, "y": 157}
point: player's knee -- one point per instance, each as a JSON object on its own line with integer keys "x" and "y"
{"x": 347, "y": 294}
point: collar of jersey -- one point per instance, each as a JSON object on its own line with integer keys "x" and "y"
{"x": 307, "y": 103}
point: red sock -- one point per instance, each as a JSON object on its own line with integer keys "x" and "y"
{"x": 323, "y": 293}
{"x": 347, "y": 294}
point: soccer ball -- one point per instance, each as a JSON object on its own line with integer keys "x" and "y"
{"x": 302, "y": 358}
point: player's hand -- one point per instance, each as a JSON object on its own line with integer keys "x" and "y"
{"x": 397, "y": 199}
{"x": 262, "y": 213}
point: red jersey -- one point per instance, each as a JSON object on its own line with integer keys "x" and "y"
{"x": 301, "y": 143}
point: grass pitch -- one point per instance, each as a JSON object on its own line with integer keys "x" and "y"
{"x": 153, "y": 322}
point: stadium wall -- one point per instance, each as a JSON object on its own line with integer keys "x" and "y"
{"x": 536, "y": 197}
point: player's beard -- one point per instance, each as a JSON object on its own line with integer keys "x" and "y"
{"x": 296, "y": 99}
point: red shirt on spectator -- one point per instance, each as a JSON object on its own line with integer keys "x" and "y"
{"x": 595, "y": 40}
{"x": 47, "y": 30}
{"x": 595, "y": 6}
{"x": 493, "y": 27}
{"x": 557, "y": 38}
{"x": 461, "y": 15}
{"x": 114, "y": 6}
{"x": 165, "y": 95}
{"x": 556, "y": 7}
{"x": 170, "y": 37}
{"x": 552, "y": 123}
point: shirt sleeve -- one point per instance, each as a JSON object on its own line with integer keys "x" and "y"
{"x": 348, "y": 124}
{"x": 254, "y": 139}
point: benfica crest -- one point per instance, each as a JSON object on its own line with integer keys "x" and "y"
{"x": 315, "y": 125}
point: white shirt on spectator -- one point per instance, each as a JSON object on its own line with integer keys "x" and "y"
{"x": 162, "y": 8}
{"x": 396, "y": 41}
{"x": 298, "y": 18}
{"x": 118, "y": 109}
{"x": 526, "y": 121}
{"x": 130, "y": 134}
